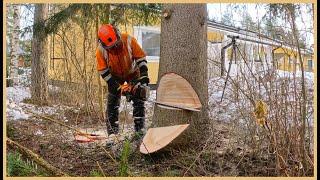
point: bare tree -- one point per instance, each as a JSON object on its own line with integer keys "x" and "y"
{"x": 184, "y": 51}
{"x": 15, "y": 46}
{"x": 292, "y": 14}
{"x": 39, "y": 69}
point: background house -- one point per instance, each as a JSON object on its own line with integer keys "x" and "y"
{"x": 286, "y": 58}
{"x": 68, "y": 58}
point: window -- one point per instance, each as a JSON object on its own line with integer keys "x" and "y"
{"x": 149, "y": 39}
{"x": 262, "y": 53}
{"x": 151, "y": 43}
{"x": 290, "y": 60}
{"x": 256, "y": 54}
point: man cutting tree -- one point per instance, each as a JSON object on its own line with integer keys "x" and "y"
{"x": 122, "y": 64}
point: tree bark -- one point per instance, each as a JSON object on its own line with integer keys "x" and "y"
{"x": 100, "y": 88}
{"x": 184, "y": 52}
{"x": 15, "y": 46}
{"x": 39, "y": 68}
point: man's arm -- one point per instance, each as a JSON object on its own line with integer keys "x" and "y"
{"x": 104, "y": 71}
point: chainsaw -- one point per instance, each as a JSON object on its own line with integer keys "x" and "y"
{"x": 138, "y": 91}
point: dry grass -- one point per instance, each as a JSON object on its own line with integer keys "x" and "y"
{"x": 277, "y": 139}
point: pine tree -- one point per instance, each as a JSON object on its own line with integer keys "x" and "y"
{"x": 184, "y": 52}
{"x": 39, "y": 68}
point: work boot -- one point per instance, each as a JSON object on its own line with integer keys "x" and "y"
{"x": 113, "y": 113}
{"x": 112, "y": 128}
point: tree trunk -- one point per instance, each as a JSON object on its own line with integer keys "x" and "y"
{"x": 9, "y": 42}
{"x": 15, "y": 46}
{"x": 184, "y": 52}
{"x": 100, "y": 87}
{"x": 303, "y": 89}
{"x": 39, "y": 68}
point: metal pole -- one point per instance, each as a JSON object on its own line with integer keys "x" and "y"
{"x": 230, "y": 62}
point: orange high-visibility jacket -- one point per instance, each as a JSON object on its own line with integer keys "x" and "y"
{"x": 122, "y": 63}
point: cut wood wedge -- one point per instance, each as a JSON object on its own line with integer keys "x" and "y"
{"x": 175, "y": 92}
{"x": 157, "y": 138}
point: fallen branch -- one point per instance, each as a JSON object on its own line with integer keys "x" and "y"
{"x": 27, "y": 152}
{"x": 72, "y": 128}
{"x": 109, "y": 155}
{"x": 55, "y": 121}
{"x": 203, "y": 149}
{"x": 62, "y": 124}
{"x": 101, "y": 169}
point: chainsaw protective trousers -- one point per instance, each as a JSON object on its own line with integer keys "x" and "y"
{"x": 112, "y": 113}
{"x": 138, "y": 114}
{"x": 113, "y": 104}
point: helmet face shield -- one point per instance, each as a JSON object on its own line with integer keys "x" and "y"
{"x": 109, "y": 36}
{"x": 115, "y": 45}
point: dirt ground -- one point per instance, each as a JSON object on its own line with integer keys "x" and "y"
{"x": 219, "y": 155}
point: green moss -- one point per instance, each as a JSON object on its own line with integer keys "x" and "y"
{"x": 10, "y": 130}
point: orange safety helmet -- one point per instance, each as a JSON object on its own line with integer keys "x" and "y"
{"x": 108, "y": 36}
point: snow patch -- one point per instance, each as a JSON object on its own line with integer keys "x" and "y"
{"x": 38, "y": 133}
{"x": 17, "y": 114}
{"x": 15, "y": 106}
{"x": 17, "y": 94}
{"x": 307, "y": 75}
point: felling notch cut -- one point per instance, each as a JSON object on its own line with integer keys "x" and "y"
{"x": 175, "y": 92}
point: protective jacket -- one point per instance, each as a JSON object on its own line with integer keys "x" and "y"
{"x": 122, "y": 63}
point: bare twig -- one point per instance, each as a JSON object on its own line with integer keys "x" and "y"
{"x": 198, "y": 156}
{"x": 109, "y": 154}
{"x": 101, "y": 169}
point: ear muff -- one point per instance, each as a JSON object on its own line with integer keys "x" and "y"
{"x": 99, "y": 41}
{"x": 117, "y": 32}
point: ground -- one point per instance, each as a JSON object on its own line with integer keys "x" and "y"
{"x": 223, "y": 153}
